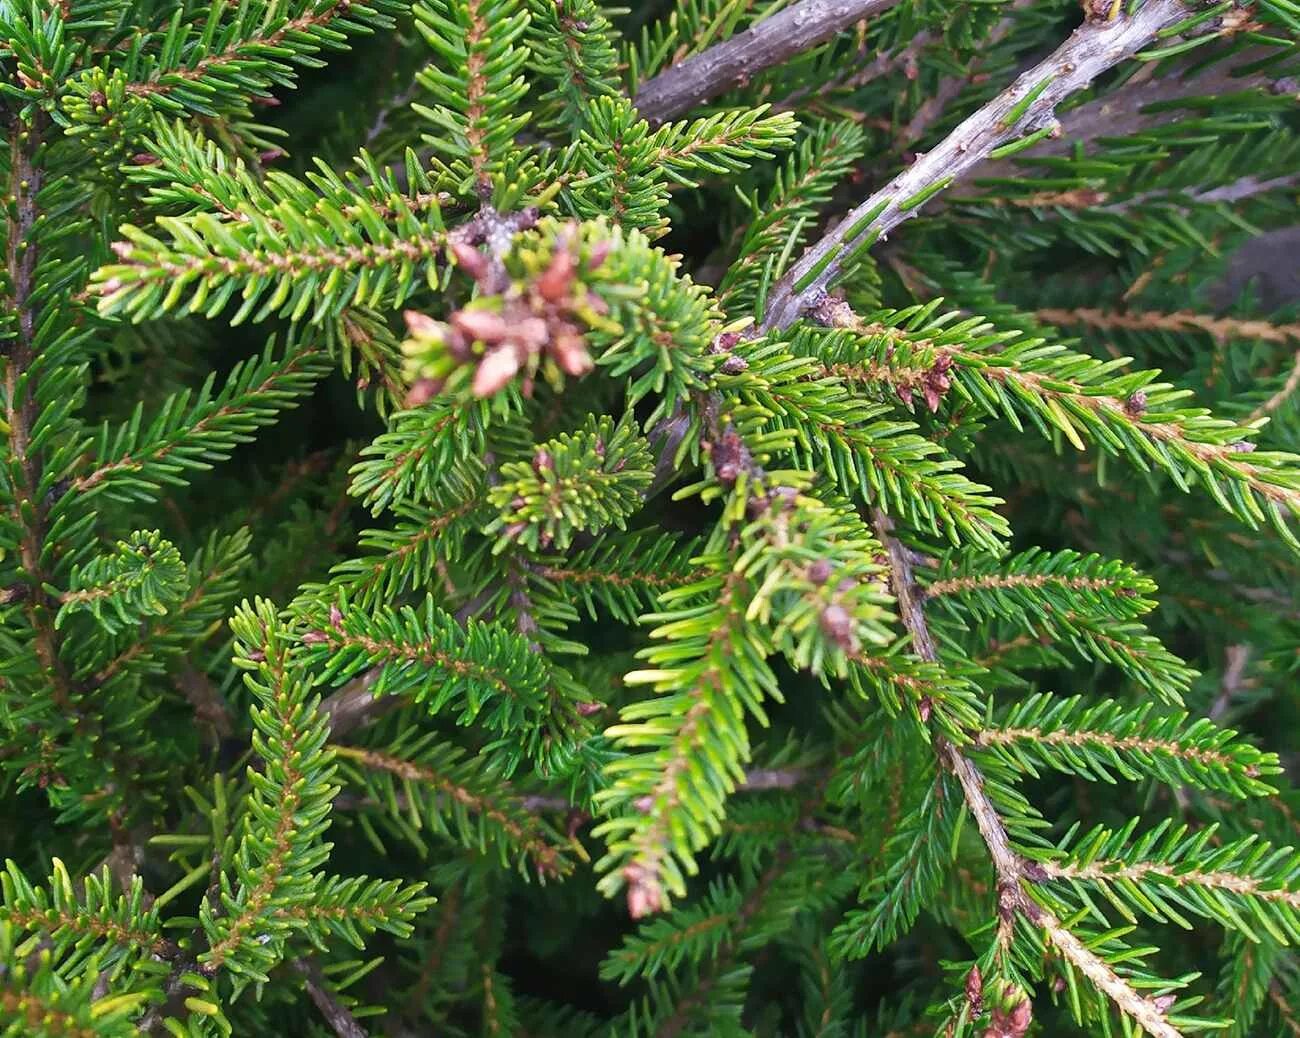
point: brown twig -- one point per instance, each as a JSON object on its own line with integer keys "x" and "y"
{"x": 734, "y": 61}
{"x": 334, "y": 1012}
{"x": 1028, "y": 105}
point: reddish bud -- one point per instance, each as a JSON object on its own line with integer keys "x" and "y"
{"x": 1164, "y": 1003}
{"x": 336, "y": 616}
{"x": 587, "y": 709}
{"x": 599, "y": 253}
{"x": 484, "y": 325}
{"x": 422, "y": 326}
{"x": 556, "y": 281}
{"x": 496, "y": 371}
{"x": 543, "y": 462}
{"x": 469, "y": 259}
{"x": 97, "y": 99}
{"x": 314, "y": 638}
{"x": 144, "y": 158}
{"x": 571, "y": 354}
{"x": 421, "y": 392}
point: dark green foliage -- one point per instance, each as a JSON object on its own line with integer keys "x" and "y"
{"x": 440, "y": 593}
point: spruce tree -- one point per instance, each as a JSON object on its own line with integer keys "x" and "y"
{"x": 522, "y": 517}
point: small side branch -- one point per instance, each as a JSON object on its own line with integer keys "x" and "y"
{"x": 734, "y": 61}
{"x": 1024, "y": 110}
{"x": 334, "y": 1012}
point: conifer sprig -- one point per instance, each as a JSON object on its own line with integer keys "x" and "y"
{"x": 670, "y": 550}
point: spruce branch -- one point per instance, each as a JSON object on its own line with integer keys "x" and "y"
{"x": 30, "y": 501}
{"x": 1123, "y": 411}
{"x": 1013, "y": 871}
{"x": 202, "y": 65}
{"x": 733, "y": 62}
{"x": 1025, "y": 109}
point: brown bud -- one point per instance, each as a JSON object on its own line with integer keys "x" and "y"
{"x": 587, "y": 709}
{"x": 270, "y": 155}
{"x": 531, "y": 332}
{"x": 1136, "y": 405}
{"x": 975, "y": 991}
{"x": 314, "y": 637}
{"x": 1164, "y": 1003}
{"x": 820, "y": 572}
{"x": 837, "y": 622}
{"x": 734, "y": 365}
{"x": 144, "y": 158}
{"x": 644, "y": 894}
{"x": 97, "y": 99}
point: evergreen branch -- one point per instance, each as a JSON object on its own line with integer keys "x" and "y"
{"x": 431, "y": 657}
{"x": 475, "y": 110}
{"x": 255, "y": 51}
{"x": 30, "y": 502}
{"x": 916, "y": 857}
{"x": 1221, "y": 329}
{"x": 212, "y": 583}
{"x": 281, "y": 845}
{"x": 134, "y": 460}
{"x": 143, "y": 576}
{"x": 823, "y": 160}
{"x": 465, "y": 799}
{"x": 701, "y": 77}
{"x": 1073, "y": 393}
{"x": 580, "y": 481}
{"x": 128, "y": 925}
{"x": 707, "y": 704}
{"x": 292, "y": 263}
{"x": 1094, "y": 739}
{"x": 1069, "y": 591}
{"x": 1027, "y": 107}
{"x": 569, "y": 42}
{"x": 1171, "y": 868}
{"x": 1012, "y": 870}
